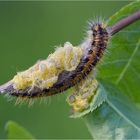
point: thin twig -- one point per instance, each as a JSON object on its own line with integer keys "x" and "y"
{"x": 6, "y": 87}
{"x": 124, "y": 23}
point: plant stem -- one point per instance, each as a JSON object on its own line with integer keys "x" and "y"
{"x": 7, "y": 86}
{"x": 124, "y": 23}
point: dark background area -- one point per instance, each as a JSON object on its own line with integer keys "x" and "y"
{"x": 29, "y": 31}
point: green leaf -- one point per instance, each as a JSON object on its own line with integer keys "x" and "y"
{"x": 121, "y": 65}
{"x": 117, "y": 118}
{"x": 15, "y": 131}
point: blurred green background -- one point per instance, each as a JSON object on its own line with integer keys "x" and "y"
{"x": 29, "y": 31}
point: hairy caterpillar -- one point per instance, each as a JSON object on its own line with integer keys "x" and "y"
{"x": 48, "y": 78}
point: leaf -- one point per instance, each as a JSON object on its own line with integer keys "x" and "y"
{"x": 121, "y": 65}
{"x": 15, "y": 131}
{"x": 117, "y": 118}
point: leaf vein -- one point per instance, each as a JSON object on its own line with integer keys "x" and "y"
{"x": 127, "y": 64}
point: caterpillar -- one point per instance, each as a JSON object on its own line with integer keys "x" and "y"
{"x": 89, "y": 53}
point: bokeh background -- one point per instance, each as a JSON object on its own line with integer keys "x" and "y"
{"x": 29, "y": 31}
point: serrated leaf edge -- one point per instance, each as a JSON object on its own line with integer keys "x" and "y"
{"x": 96, "y": 102}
